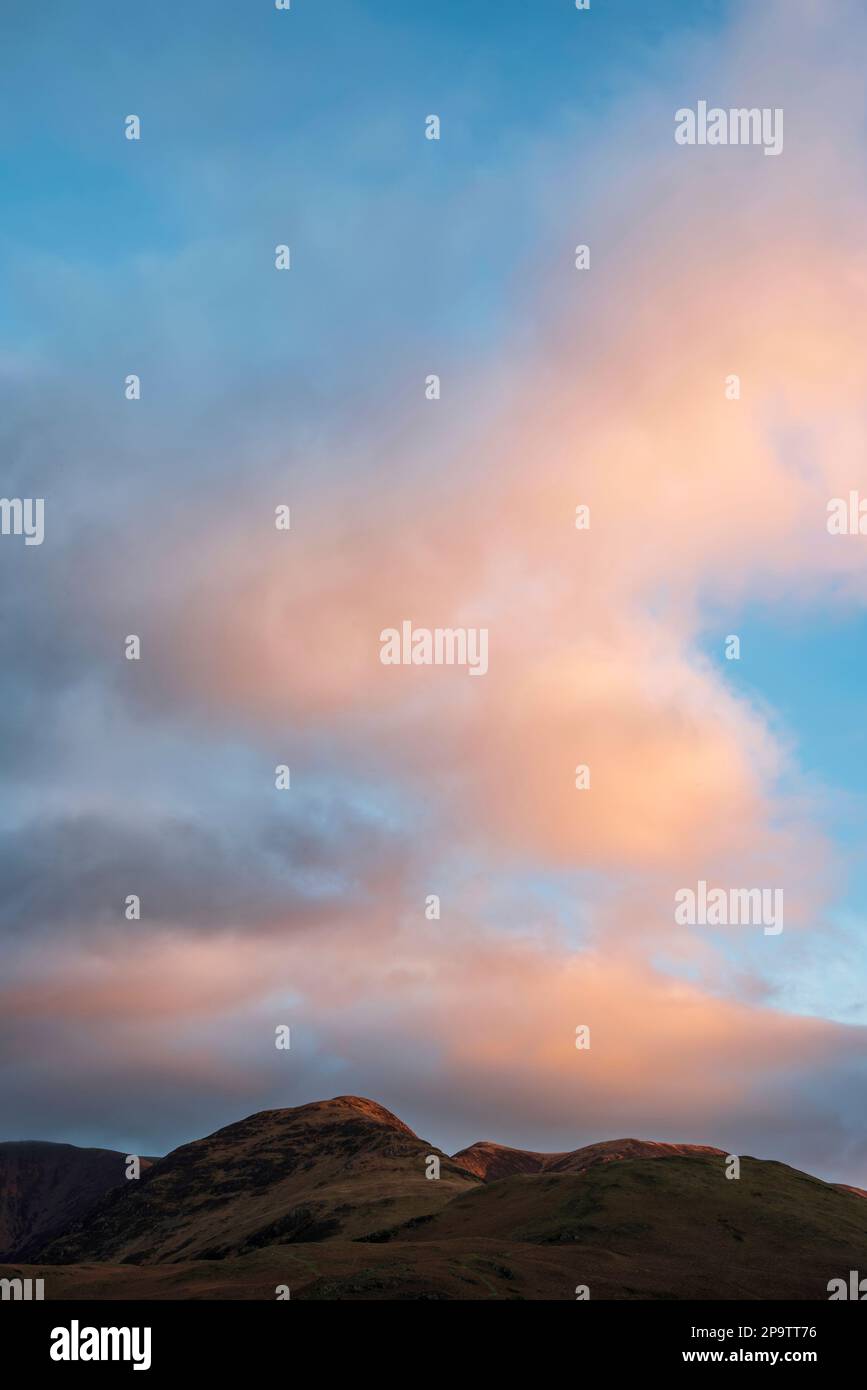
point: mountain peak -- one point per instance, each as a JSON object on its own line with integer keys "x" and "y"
{"x": 371, "y": 1110}
{"x": 489, "y": 1161}
{"x": 343, "y": 1167}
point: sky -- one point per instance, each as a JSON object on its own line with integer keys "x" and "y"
{"x": 260, "y": 647}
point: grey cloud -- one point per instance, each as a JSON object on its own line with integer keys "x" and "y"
{"x": 74, "y": 874}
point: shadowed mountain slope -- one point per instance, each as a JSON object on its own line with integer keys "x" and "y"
{"x": 44, "y": 1188}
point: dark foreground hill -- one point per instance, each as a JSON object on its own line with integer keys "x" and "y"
{"x": 332, "y": 1200}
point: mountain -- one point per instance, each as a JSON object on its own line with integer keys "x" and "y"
{"x": 844, "y": 1187}
{"x": 345, "y": 1167}
{"x": 490, "y": 1161}
{"x": 45, "y": 1187}
{"x": 332, "y": 1200}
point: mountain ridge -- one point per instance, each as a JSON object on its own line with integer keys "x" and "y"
{"x": 489, "y": 1160}
{"x": 340, "y": 1199}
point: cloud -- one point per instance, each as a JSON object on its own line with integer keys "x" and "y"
{"x": 467, "y": 1035}
{"x": 261, "y": 647}
{"x": 321, "y": 861}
